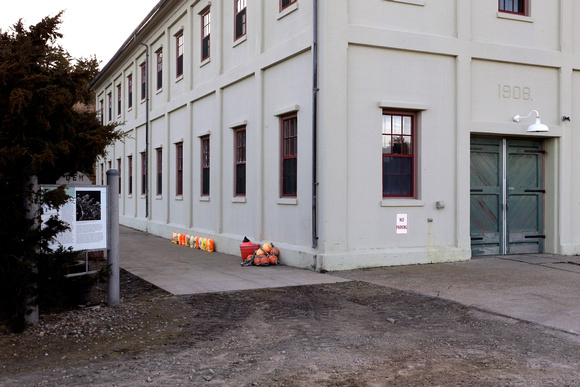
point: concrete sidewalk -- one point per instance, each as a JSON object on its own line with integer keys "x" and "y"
{"x": 183, "y": 270}
{"x": 542, "y": 288}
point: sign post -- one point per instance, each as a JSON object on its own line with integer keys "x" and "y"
{"x": 113, "y": 236}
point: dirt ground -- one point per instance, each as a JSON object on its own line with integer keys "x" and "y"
{"x": 346, "y": 334}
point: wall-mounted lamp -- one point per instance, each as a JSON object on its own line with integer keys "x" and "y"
{"x": 537, "y": 127}
{"x": 565, "y": 118}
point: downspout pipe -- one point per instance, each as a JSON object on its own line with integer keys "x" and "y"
{"x": 146, "y": 124}
{"x": 314, "y": 125}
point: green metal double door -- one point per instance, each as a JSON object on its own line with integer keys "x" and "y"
{"x": 507, "y": 196}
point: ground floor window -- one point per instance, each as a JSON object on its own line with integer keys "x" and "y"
{"x": 205, "y": 166}
{"x": 240, "y": 161}
{"x": 398, "y": 135}
{"x": 289, "y": 162}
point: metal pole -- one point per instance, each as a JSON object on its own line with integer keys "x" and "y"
{"x": 314, "y": 126}
{"x": 113, "y": 235}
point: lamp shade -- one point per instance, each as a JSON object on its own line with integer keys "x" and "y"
{"x": 538, "y": 127}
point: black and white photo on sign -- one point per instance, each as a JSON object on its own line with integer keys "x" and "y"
{"x": 88, "y": 205}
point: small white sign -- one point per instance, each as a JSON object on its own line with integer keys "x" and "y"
{"x": 402, "y": 224}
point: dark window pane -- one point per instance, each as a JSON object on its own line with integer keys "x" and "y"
{"x": 289, "y": 178}
{"x": 241, "y": 179}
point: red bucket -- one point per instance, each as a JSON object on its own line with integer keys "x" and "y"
{"x": 246, "y": 250}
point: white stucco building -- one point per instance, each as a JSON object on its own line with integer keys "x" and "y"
{"x": 382, "y": 134}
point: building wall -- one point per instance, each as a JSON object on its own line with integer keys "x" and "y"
{"x": 463, "y": 67}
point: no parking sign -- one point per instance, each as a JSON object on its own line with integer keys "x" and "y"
{"x": 402, "y": 223}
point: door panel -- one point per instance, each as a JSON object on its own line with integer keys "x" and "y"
{"x": 525, "y": 195}
{"x": 506, "y": 196}
{"x": 486, "y": 194}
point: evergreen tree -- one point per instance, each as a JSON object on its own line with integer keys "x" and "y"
{"x": 46, "y": 130}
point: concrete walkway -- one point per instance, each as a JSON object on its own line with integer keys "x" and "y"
{"x": 542, "y": 288}
{"x": 183, "y": 270}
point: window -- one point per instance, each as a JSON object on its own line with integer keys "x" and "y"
{"x": 143, "y": 173}
{"x": 102, "y": 111}
{"x": 119, "y": 100}
{"x": 240, "y": 18}
{"x": 398, "y": 156}
{"x": 205, "y": 166}
{"x": 205, "y": 30}
{"x": 240, "y": 161}
{"x": 159, "y": 171}
{"x": 130, "y": 91}
{"x": 159, "y": 69}
{"x": 513, "y": 6}
{"x": 179, "y": 53}
{"x": 143, "y": 82}
{"x": 119, "y": 169}
{"x": 179, "y": 169}
{"x": 289, "y": 155}
{"x": 130, "y": 174}
{"x": 286, "y": 3}
{"x": 103, "y": 173}
{"x": 110, "y": 95}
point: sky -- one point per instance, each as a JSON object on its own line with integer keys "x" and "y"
{"x": 89, "y": 27}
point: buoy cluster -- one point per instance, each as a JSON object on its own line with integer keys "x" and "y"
{"x": 193, "y": 241}
{"x": 264, "y": 255}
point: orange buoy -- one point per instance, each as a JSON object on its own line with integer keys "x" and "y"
{"x": 257, "y": 260}
{"x": 265, "y": 261}
{"x": 267, "y": 247}
{"x": 273, "y": 259}
{"x": 275, "y": 251}
{"x": 260, "y": 252}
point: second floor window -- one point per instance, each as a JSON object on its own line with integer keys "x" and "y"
{"x": 102, "y": 111}
{"x": 143, "y": 82}
{"x": 130, "y": 91}
{"x": 179, "y": 53}
{"x": 286, "y": 3}
{"x": 240, "y": 18}
{"x": 118, "y": 99}
{"x": 513, "y": 6}
{"x": 110, "y": 106}
{"x": 205, "y": 32}
{"x": 159, "y": 69}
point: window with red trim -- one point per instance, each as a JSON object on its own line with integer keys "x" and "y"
{"x": 159, "y": 171}
{"x": 143, "y": 82}
{"x": 110, "y": 95}
{"x": 179, "y": 169}
{"x": 240, "y": 161}
{"x": 205, "y": 33}
{"x": 130, "y": 175}
{"x": 179, "y": 54}
{"x": 159, "y": 69}
{"x": 205, "y": 166}
{"x": 119, "y": 169}
{"x": 519, "y": 7}
{"x": 119, "y": 100}
{"x": 240, "y": 18}
{"x": 102, "y": 111}
{"x": 289, "y": 153}
{"x": 143, "y": 173}
{"x": 129, "y": 91}
{"x": 398, "y": 156}
{"x": 286, "y": 3}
